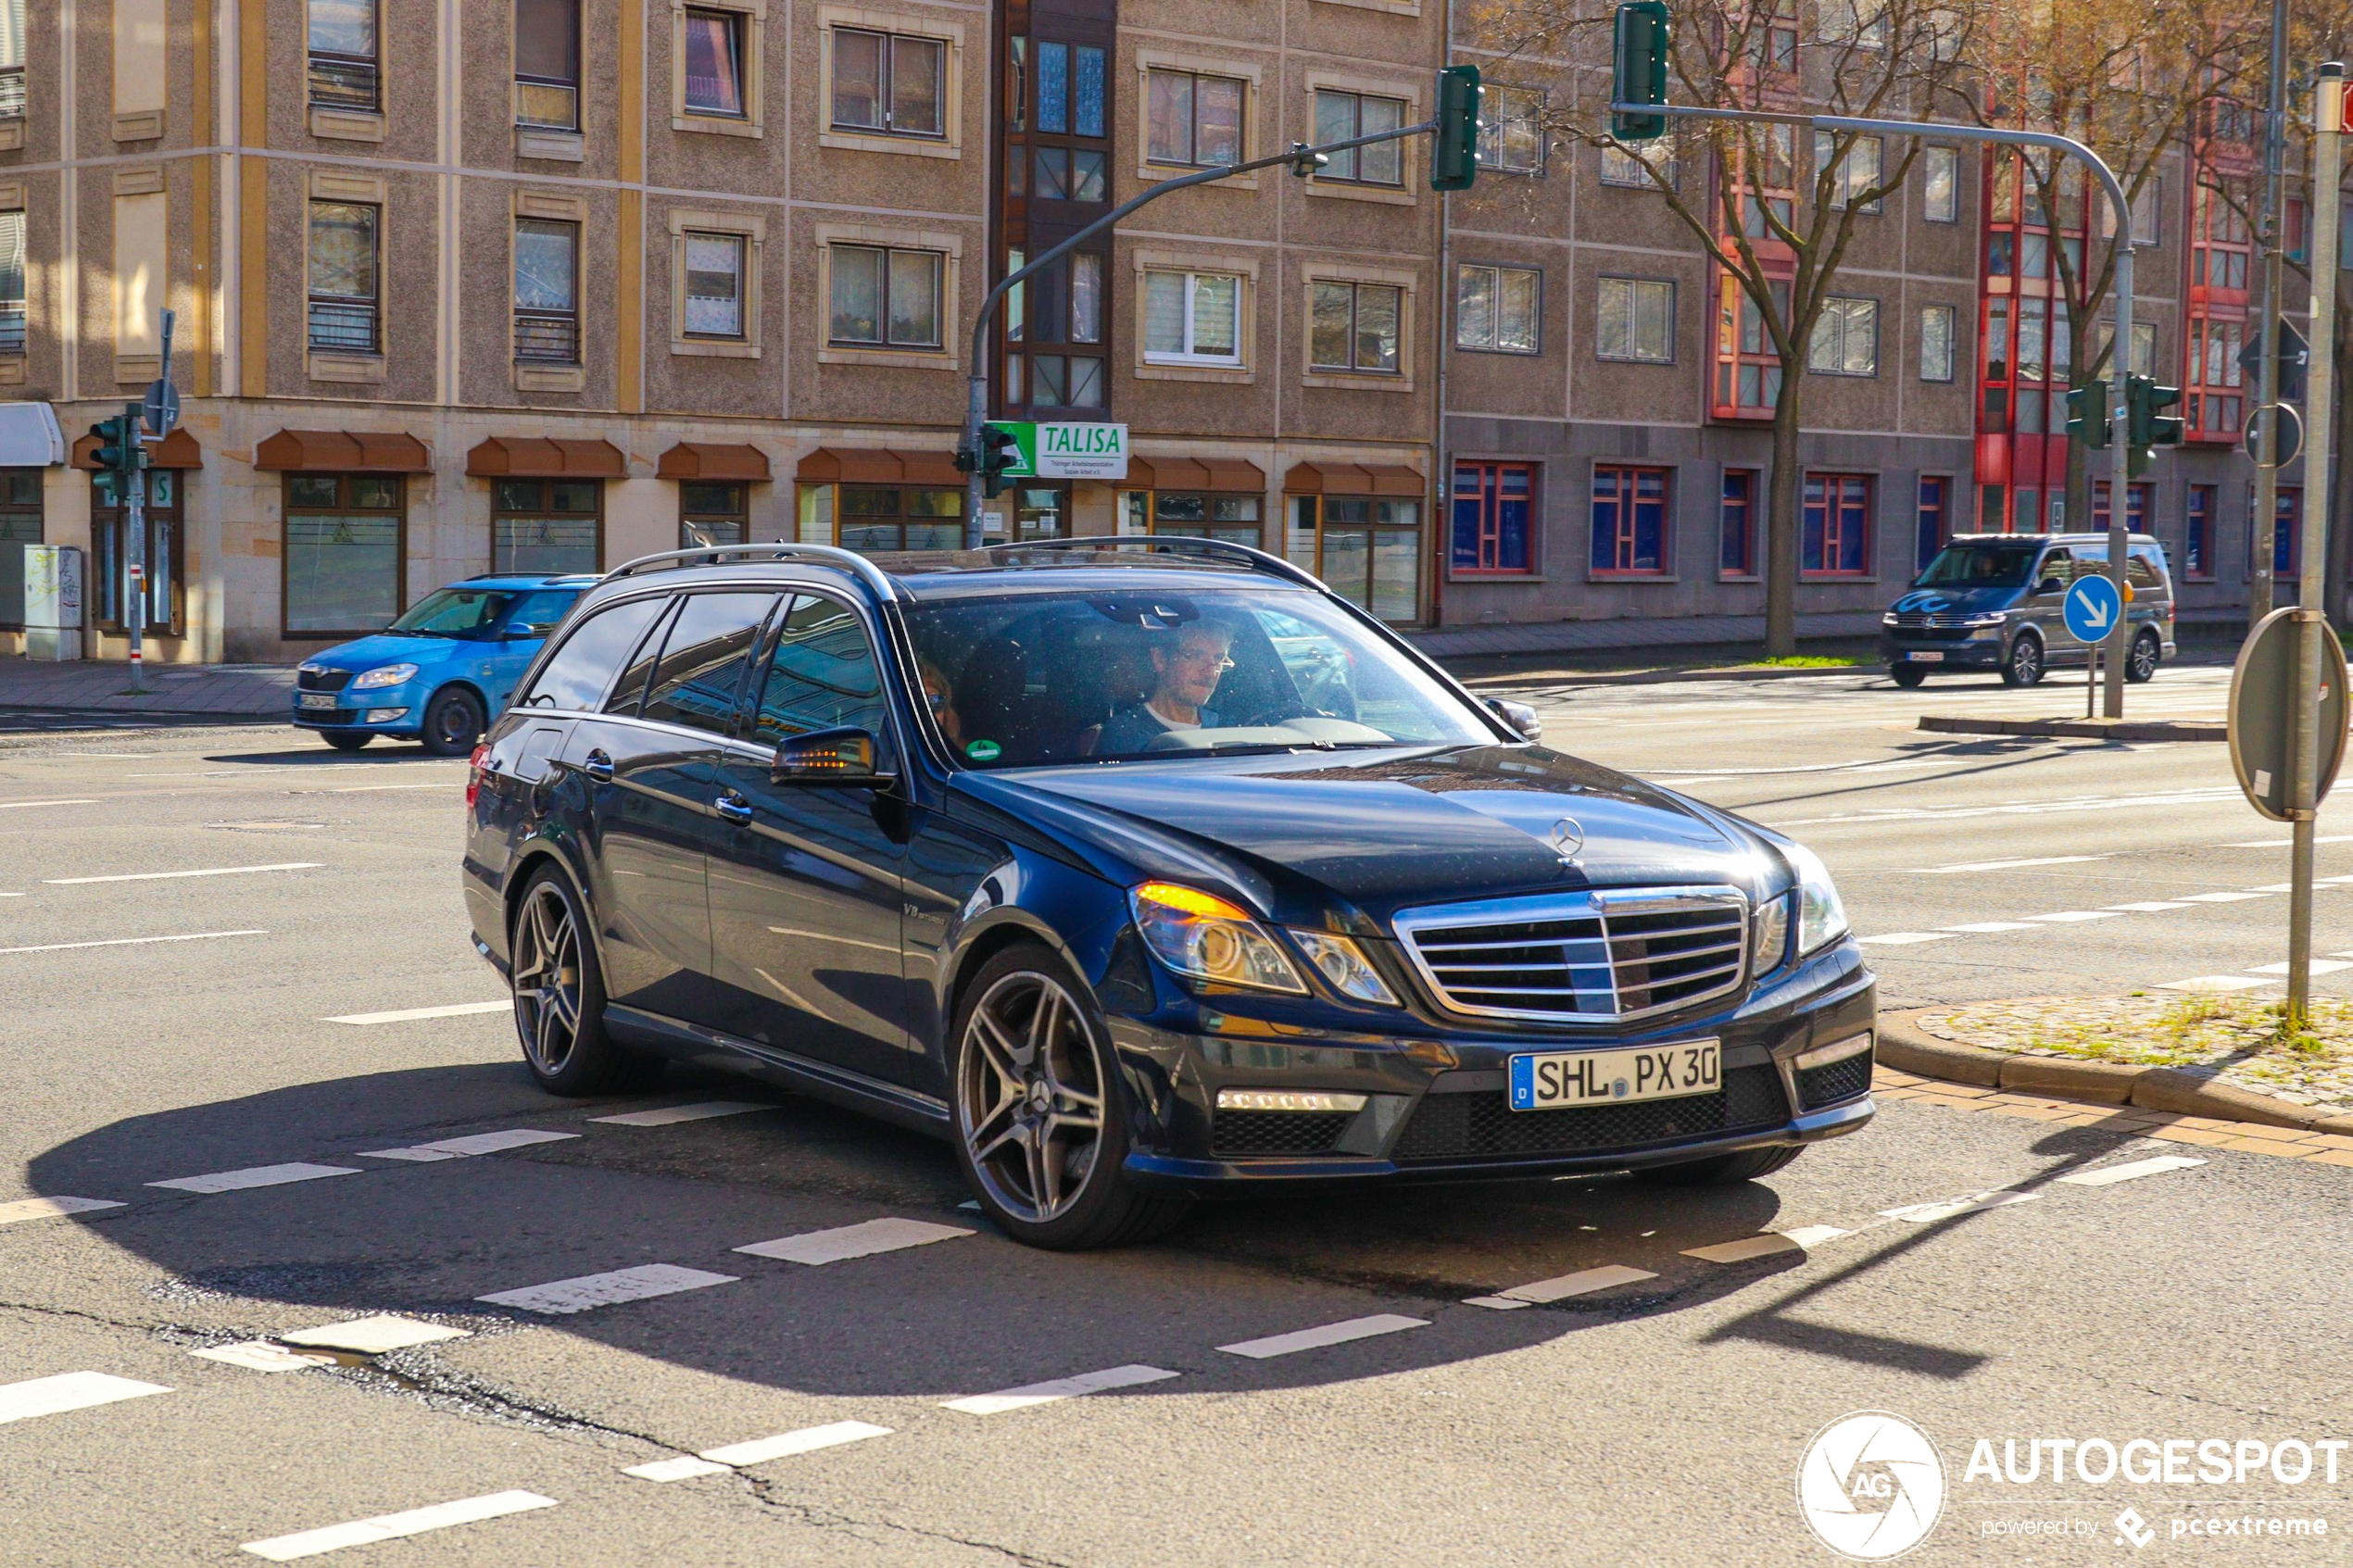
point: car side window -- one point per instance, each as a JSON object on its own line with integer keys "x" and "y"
{"x": 2057, "y": 563}
{"x": 2140, "y": 571}
{"x": 629, "y": 692}
{"x": 540, "y": 612}
{"x": 575, "y": 677}
{"x": 821, "y": 675}
{"x": 702, "y": 661}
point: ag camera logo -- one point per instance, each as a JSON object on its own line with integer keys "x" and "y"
{"x": 1870, "y": 1485}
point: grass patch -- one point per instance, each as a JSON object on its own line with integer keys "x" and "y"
{"x": 2255, "y": 1043}
{"x": 1807, "y": 661}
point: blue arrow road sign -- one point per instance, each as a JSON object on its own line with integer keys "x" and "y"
{"x": 2093, "y": 608}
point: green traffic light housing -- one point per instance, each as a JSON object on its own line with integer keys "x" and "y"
{"x": 2087, "y": 414}
{"x": 1644, "y": 34}
{"x": 999, "y": 449}
{"x": 117, "y": 450}
{"x": 2146, "y": 423}
{"x": 1454, "y": 156}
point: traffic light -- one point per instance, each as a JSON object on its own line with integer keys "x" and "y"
{"x": 119, "y": 450}
{"x": 1454, "y": 156}
{"x": 2146, "y": 424}
{"x": 1644, "y": 33}
{"x": 2087, "y": 414}
{"x": 999, "y": 449}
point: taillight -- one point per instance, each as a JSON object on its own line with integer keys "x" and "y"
{"x": 476, "y": 766}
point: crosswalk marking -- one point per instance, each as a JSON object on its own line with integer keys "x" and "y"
{"x": 1901, "y": 938}
{"x": 1560, "y": 1288}
{"x": 69, "y": 1391}
{"x": 374, "y": 1335}
{"x": 1058, "y": 1388}
{"x": 2218, "y": 898}
{"x": 472, "y": 1142}
{"x": 2108, "y": 1176}
{"x": 392, "y": 1526}
{"x": 174, "y": 876}
{"x": 259, "y": 1355}
{"x": 50, "y": 1208}
{"x": 686, "y": 1467}
{"x": 1979, "y": 925}
{"x": 1767, "y": 1246}
{"x": 1327, "y": 1333}
{"x": 673, "y": 1113}
{"x": 563, "y": 1297}
{"x": 1948, "y": 1208}
{"x": 405, "y": 1015}
{"x": 256, "y": 1176}
{"x": 131, "y": 941}
{"x": 853, "y": 1241}
{"x": 2066, "y": 917}
{"x": 809, "y": 1440}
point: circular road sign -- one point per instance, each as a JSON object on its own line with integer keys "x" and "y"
{"x": 2093, "y": 608}
{"x": 2291, "y": 444}
{"x": 2263, "y": 713}
{"x": 160, "y": 411}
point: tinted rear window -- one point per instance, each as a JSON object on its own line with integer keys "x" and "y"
{"x": 575, "y": 678}
{"x": 702, "y": 663}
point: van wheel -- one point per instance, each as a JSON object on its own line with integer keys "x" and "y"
{"x": 2024, "y": 665}
{"x": 2142, "y": 665}
{"x": 1907, "y": 675}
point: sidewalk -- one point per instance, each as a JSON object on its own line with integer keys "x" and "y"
{"x": 1690, "y": 632}
{"x": 185, "y": 690}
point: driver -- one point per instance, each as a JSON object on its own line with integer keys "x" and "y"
{"x": 1183, "y": 679}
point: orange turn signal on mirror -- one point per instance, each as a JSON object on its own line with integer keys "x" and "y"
{"x": 1188, "y": 900}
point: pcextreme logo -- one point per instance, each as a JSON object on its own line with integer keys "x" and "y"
{"x": 1870, "y": 1485}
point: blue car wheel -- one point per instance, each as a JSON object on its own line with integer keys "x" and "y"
{"x": 454, "y": 721}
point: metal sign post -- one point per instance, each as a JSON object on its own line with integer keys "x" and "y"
{"x": 158, "y": 412}
{"x": 2093, "y": 610}
{"x": 2266, "y": 449}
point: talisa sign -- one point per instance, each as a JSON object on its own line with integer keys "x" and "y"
{"x": 1069, "y": 450}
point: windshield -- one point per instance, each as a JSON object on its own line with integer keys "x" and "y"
{"x": 1030, "y": 680}
{"x": 1980, "y": 566}
{"x": 454, "y": 612}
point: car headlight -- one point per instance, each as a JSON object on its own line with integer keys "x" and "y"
{"x": 1888, "y": 620}
{"x": 1205, "y": 937}
{"x": 1344, "y": 964}
{"x": 1994, "y": 619}
{"x": 1769, "y": 939}
{"x": 1821, "y": 918}
{"x": 387, "y": 675}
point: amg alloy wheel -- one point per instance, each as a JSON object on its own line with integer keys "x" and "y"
{"x": 560, "y": 996}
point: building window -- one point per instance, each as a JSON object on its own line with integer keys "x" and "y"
{"x": 1629, "y": 521}
{"x": 1494, "y": 518}
{"x": 1846, "y": 341}
{"x": 1339, "y": 116}
{"x": 546, "y": 525}
{"x": 886, "y": 298}
{"x": 889, "y": 83}
{"x": 1192, "y": 319}
{"x": 1622, "y": 168}
{"x": 1192, "y": 514}
{"x": 876, "y": 517}
{"x": 344, "y": 553}
{"x": 547, "y": 292}
{"x": 1071, "y": 104}
{"x": 343, "y": 54}
{"x": 715, "y": 63}
{"x": 1936, "y": 343}
{"x": 1497, "y": 309}
{"x": 547, "y": 64}
{"x": 715, "y": 285}
{"x": 1860, "y": 22}
{"x": 1748, "y": 368}
{"x": 2221, "y": 256}
{"x": 2197, "y": 533}
{"x": 2216, "y": 395}
{"x": 344, "y": 283}
{"x": 1857, "y": 172}
{"x": 19, "y": 526}
{"x": 1940, "y": 185}
{"x": 12, "y": 59}
{"x": 713, "y": 514}
{"x": 1193, "y": 120}
{"x": 1367, "y": 550}
{"x": 1737, "y": 553}
{"x": 12, "y": 274}
{"x": 1060, "y": 309}
{"x": 2287, "y": 531}
{"x": 1511, "y": 130}
{"x": 1835, "y": 540}
{"x": 1635, "y": 319}
{"x": 108, "y": 590}
{"x": 1355, "y": 327}
{"x": 1935, "y": 517}
{"x": 2148, "y": 204}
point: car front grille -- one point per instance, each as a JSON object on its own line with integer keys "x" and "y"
{"x": 1834, "y": 1082}
{"x": 1482, "y": 1125}
{"x": 1277, "y": 1131}
{"x": 1932, "y": 634}
{"x": 321, "y": 680}
{"x": 1581, "y": 957}
{"x": 333, "y": 718}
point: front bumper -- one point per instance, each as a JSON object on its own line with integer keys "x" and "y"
{"x": 1979, "y": 650}
{"x": 404, "y": 708}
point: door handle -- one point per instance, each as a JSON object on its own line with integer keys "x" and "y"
{"x": 733, "y": 807}
{"x": 598, "y": 764}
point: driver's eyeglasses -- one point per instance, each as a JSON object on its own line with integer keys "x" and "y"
{"x": 1204, "y": 656}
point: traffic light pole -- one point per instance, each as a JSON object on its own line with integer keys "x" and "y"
{"x": 2267, "y": 318}
{"x": 135, "y": 523}
{"x": 2120, "y": 482}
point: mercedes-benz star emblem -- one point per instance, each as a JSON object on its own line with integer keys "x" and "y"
{"x": 1567, "y": 839}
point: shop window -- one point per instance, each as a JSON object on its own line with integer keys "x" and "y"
{"x": 108, "y": 591}
{"x": 1366, "y": 550}
{"x": 1494, "y": 519}
{"x": 1630, "y": 521}
{"x": 710, "y": 514}
{"x": 1737, "y": 554}
{"x": 19, "y": 526}
{"x": 1835, "y": 538}
{"x": 344, "y": 555}
{"x": 876, "y": 517}
{"x": 1194, "y": 514}
{"x": 546, "y": 525}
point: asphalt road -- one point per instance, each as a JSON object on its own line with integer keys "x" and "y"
{"x": 1657, "y": 1421}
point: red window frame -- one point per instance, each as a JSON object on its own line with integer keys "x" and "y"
{"x": 1736, "y": 548}
{"x": 1932, "y": 522}
{"x": 2140, "y": 505}
{"x": 1843, "y": 503}
{"x": 1746, "y": 377}
{"x": 2288, "y": 509}
{"x": 2198, "y": 532}
{"x": 1630, "y": 488}
{"x": 2215, "y": 395}
{"x": 1492, "y": 485}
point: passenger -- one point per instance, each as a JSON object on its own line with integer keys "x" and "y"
{"x": 943, "y": 706}
{"x": 1183, "y": 678}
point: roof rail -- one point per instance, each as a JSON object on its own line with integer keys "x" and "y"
{"x": 857, "y": 565}
{"x": 1172, "y": 544}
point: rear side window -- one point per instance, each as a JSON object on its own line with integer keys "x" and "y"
{"x": 2140, "y": 570}
{"x": 701, "y": 668}
{"x": 583, "y": 666}
{"x": 821, "y": 675}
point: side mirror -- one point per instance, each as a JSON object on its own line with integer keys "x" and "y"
{"x": 2050, "y": 585}
{"x": 1519, "y": 715}
{"x": 845, "y": 756}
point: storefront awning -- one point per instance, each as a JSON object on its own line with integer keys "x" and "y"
{"x": 178, "y": 450}
{"x": 531, "y": 457}
{"x": 862, "y": 465}
{"x": 28, "y": 436}
{"x": 1195, "y": 473}
{"x": 1352, "y": 479}
{"x": 343, "y": 451}
{"x": 702, "y": 459}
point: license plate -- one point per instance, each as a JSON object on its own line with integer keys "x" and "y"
{"x": 319, "y": 700}
{"x": 1925, "y": 658}
{"x": 1549, "y": 1082}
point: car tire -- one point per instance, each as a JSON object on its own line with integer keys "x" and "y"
{"x": 345, "y": 740}
{"x": 2141, "y": 664}
{"x": 1031, "y": 1051}
{"x": 1908, "y": 676}
{"x": 2022, "y": 666}
{"x": 1722, "y": 1170}
{"x": 454, "y": 721}
{"x": 560, "y": 1014}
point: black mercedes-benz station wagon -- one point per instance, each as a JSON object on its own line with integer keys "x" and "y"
{"x": 1136, "y": 868}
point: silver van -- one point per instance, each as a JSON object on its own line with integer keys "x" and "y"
{"x": 1994, "y": 601}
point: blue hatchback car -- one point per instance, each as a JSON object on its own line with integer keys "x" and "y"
{"x": 439, "y": 673}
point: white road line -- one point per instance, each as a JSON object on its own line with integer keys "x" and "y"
{"x": 853, "y": 1241}
{"x": 686, "y": 1467}
{"x": 1327, "y": 1333}
{"x": 2033, "y": 808}
{"x": 69, "y": 1391}
{"x": 1947, "y": 1208}
{"x": 50, "y": 1208}
{"x": 1903, "y": 938}
{"x": 1560, "y": 1288}
{"x": 256, "y": 1176}
{"x": 1994, "y": 925}
{"x": 1059, "y": 1389}
{"x": 2214, "y": 983}
{"x": 2067, "y": 916}
{"x": 259, "y": 1355}
{"x": 472, "y": 1142}
{"x": 671, "y": 1113}
{"x": 2010, "y": 865}
{"x": 374, "y": 1335}
{"x": 170, "y": 876}
{"x": 405, "y": 1015}
{"x": 562, "y": 1297}
{"x": 2283, "y": 843}
{"x": 2218, "y": 898}
{"x": 2108, "y": 1176}
{"x": 2320, "y": 966}
{"x": 23, "y": 805}
{"x": 1767, "y": 1246}
{"x": 2146, "y": 907}
{"x": 392, "y": 1526}
{"x": 1811, "y": 1236}
{"x": 371, "y": 789}
{"x": 809, "y": 1440}
{"x": 131, "y": 941}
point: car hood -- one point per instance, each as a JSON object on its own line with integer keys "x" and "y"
{"x": 1955, "y": 601}
{"x": 366, "y": 653}
{"x": 1384, "y": 830}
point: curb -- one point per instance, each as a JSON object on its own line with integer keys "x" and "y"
{"x": 177, "y": 715}
{"x": 1903, "y": 1046}
{"x": 1652, "y": 677}
{"x": 2088, "y": 729}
